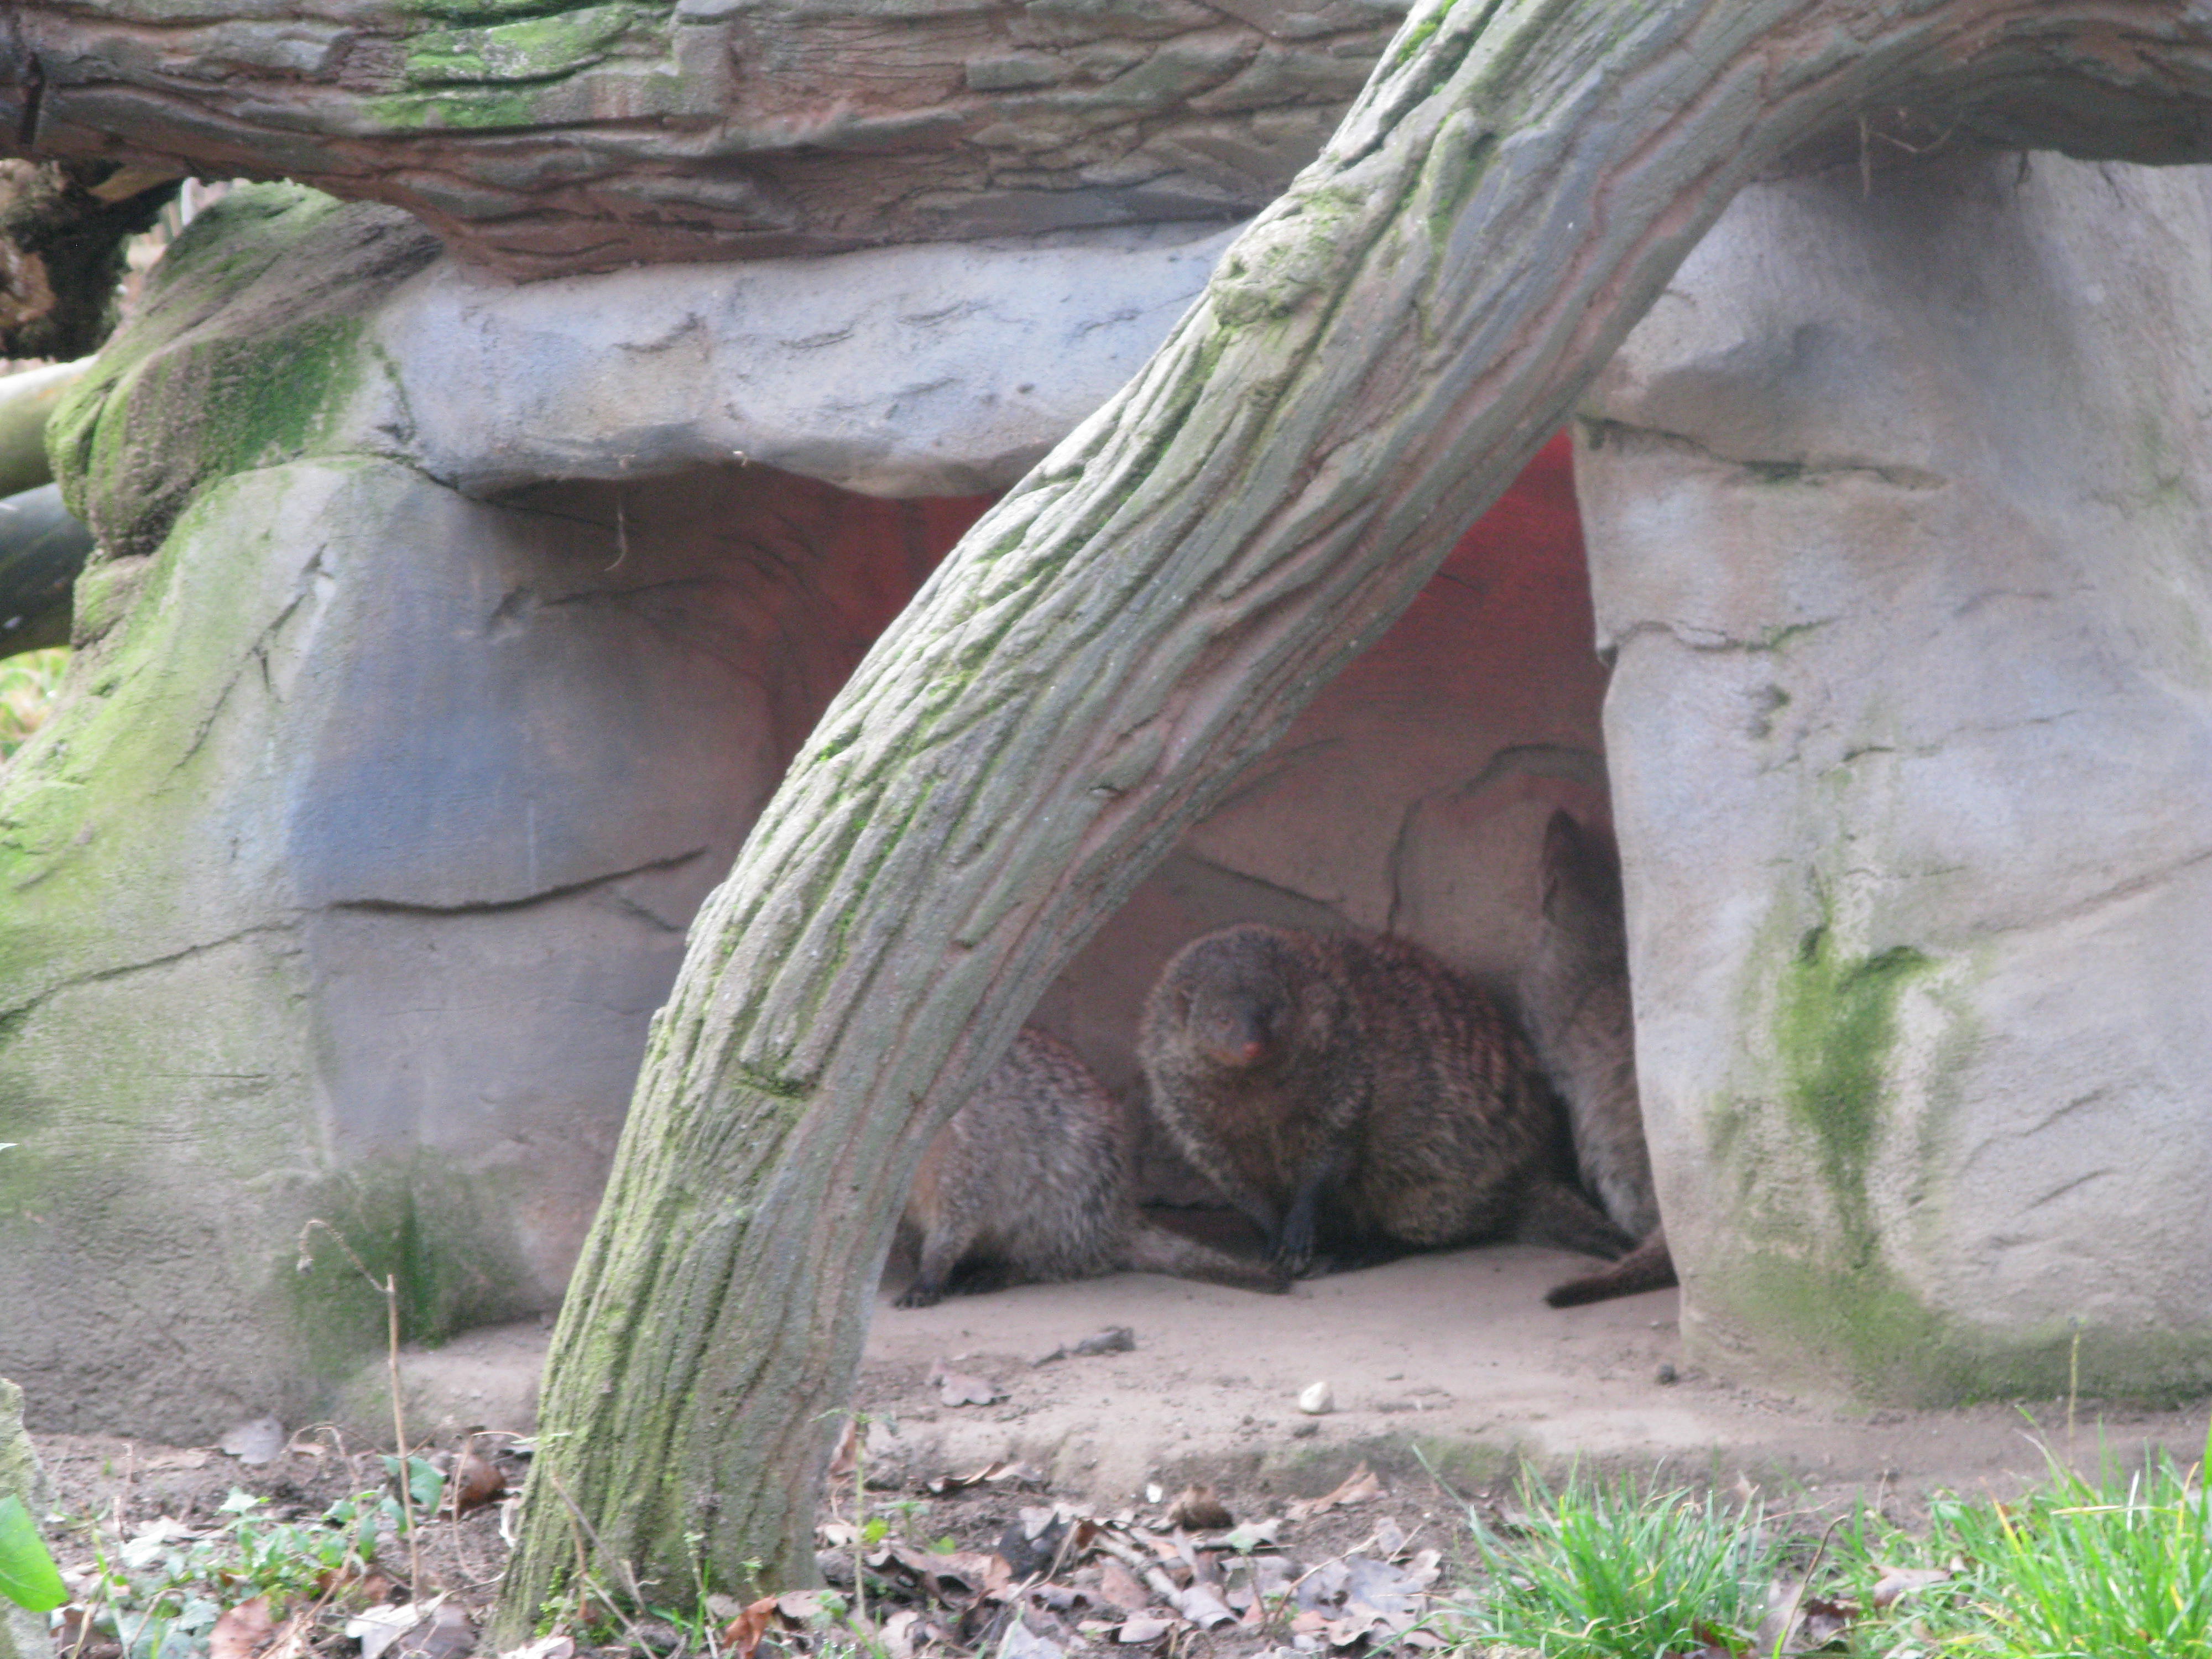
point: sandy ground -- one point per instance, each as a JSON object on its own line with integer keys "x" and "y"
{"x": 1447, "y": 1374}
{"x": 1454, "y": 1354}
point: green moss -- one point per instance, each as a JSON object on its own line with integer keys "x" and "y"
{"x": 1835, "y": 1025}
{"x": 1869, "y": 1330}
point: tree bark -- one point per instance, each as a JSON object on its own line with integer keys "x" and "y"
{"x": 1373, "y": 362}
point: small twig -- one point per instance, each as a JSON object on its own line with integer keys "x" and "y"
{"x": 583, "y": 1566}
{"x": 1797, "y": 1597}
{"x": 389, "y": 1289}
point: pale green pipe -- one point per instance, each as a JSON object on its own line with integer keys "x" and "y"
{"x": 25, "y": 400}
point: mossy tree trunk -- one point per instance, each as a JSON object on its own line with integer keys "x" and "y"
{"x": 1372, "y": 362}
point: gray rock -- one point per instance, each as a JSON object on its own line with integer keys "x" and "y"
{"x": 940, "y": 369}
{"x": 1896, "y": 505}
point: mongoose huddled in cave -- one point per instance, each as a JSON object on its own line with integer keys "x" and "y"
{"x": 1357, "y": 1096}
{"x": 1574, "y": 998}
{"x": 1030, "y": 1182}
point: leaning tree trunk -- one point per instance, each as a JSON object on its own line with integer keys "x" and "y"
{"x": 1372, "y": 362}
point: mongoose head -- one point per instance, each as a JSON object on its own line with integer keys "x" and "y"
{"x": 1242, "y": 998}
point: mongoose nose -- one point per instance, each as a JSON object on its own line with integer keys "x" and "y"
{"x": 1248, "y": 1051}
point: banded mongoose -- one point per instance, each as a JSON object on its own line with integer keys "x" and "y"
{"x": 1574, "y": 998}
{"x": 1357, "y": 1093}
{"x": 1030, "y": 1182}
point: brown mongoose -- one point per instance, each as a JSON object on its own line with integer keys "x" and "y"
{"x": 1357, "y": 1093}
{"x": 1030, "y": 1182}
{"x": 1574, "y": 998}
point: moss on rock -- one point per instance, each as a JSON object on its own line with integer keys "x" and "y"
{"x": 248, "y": 353}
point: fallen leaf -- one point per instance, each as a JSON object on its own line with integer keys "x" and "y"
{"x": 1360, "y": 1487}
{"x": 1824, "y": 1622}
{"x": 1202, "y": 1605}
{"x": 546, "y": 1647}
{"x": 1114, "y": 1339}
{"x": 1006, "y": 1472}
{"x": 1119, "y": 1588}
{"x": 743, "y": 1633}
{"x": 378, "y": 1628}
{"x": 1388, "y": 1539}
{"x": 897, "y": 1634}
{"x": 189, "y": 1457}
{"x": 958, "y": 1388}
{"x": 1145, "y": 1628}
{"x": 964, "y": 1573}
{"x": 800, "y": 1606}
{"x": 846, "y": 1459}
{"x": 1198, "y": 1509}
{"x": 1021, "y": 1641}
{"x": 1902, "y": 1581}
{"x": 447, "y": 1634}
{"x": 1253, "y": 1536}
{"x": 261, "y": 1440}
{"x": 241, "y": 1632}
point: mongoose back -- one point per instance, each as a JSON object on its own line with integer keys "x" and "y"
{"x": 1030, "y": 1182}
{"x": 1359, "y": 1091}
{"x": 1574, "y": 998}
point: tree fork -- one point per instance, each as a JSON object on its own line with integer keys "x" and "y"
{"x": 1373, "y": 362}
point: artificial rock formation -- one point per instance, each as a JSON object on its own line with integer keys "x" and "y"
{"x": 1896, "y": 505}
{"x": 346, "y": 880}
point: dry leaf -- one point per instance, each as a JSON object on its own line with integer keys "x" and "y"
{"x": 1360, "y": 1487}
{"x": 1119, "y": 1588}
{"x": 1202, "y": 1605}
{"x": 846, "y": 1460}
{"x": 240, "y": 1632}
{"x": 958, "y": 1388}
{"x": 800, "y": 1606}
{"x": 1146, "y": 1628}
{"x": 743, "y": 1633}
{"x": 1902, "y": 1581}
{"x": 1006, "y": 1471}
{"x": 1021, "y": 1641}
{"x": 261, "y": 1440}
{"x": 546, "y": 1647}
{"x": 378, "y": 1628}
{"x": 447, "y": 1634}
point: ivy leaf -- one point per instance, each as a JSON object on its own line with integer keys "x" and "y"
{"x": 28, "y": 1576}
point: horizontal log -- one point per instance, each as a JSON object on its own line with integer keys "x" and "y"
{"x": 565, "y": 137}
{"x": 25, "y": 400}
{"x": 42, "y": 548}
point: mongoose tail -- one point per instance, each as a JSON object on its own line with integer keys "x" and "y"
{"x": 1554, "y": 1213}
{"x": 1155, "y": 1249}
{"x": 1648, "y": 1267}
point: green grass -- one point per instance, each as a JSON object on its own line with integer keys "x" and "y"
{"x": 1605, "y": 1571}
{"x": 2119, "y": 1567}
{"x": 28, "y": 683}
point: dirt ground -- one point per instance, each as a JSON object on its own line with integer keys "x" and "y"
{"x": 1445, "y": 1373}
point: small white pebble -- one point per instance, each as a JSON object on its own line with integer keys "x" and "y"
{"x": 1318, "y": 1399}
